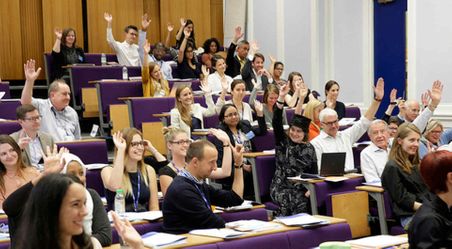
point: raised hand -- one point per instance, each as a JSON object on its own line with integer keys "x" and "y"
{"x": 238, "y": 33}
{"x": 205, "y": 71}
{"x": 253, "y": 81}
{"x": 436, "y": 92}
{"x": 52, "y": 159}
{"x": 284, "y": 90}
{"x": 58, "y": 33}
{"x": 393, "y": 95}
{"x": 303, "y": 90}
{"x": 272, "y": 60}
{"x": 31, "y": 74}
{"x": 425, "y": 98}
{"x": 145, "y": 21}
{"x": 147, "y": 47}
{"x": 108, "y": 17}
{"x": 254, "y": 46}
{"x": 237, "y": 153}
{"x": 224, "y": 84}
{"x": 170, "y": 27}
{"x": 220, "y": 135}
{"x": 379, "y": 89}
{"x": 205, "y": 87}
{"x": 119, "y": 141}
{"x": 127, "y": 231}
{"x": 187, "y": 33}
{"x": 148, "y": 145}
{"x": 24, "y": 140}
{"x": 259, "y": 108}
{"x": 183, "y": 22}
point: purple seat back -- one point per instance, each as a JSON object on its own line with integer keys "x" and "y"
{"x": 4, "y": 87}
{"x": 352, "y": 112}
{"x": 270, "y": 241}
{"x": 265, "y": 142}
{"x": 195, "y": 83}
{"x": 257, "y": 214}
{"x": 8, "y": 127}
{"x": 200, "y": 100}
{"x": 265, "y": 170}
{"x": 89, "y": 151}
{"x": 109, "y": 92}
{"x": 311, "y": 238}
{"x": 48, "y": 65}
{"x": 96, "y": 58}
{"x": 8, "y": 108}
{"x": 290, "y": 113}
{"x": 323, "y": 189}
{"x": 174, "y": 71}
{"x": 94, "y": 181}
{"x": 142, "y": 109}
{"x": 211, "y": 122}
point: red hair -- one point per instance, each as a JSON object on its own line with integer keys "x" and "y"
{"x": 434, "y": 169}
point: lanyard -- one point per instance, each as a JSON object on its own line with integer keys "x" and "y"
{"x": 177, "y": 170}
{"x": 238, "y": 137}
{"x": 185, "y": 174}
{"x": 135, "y": 201}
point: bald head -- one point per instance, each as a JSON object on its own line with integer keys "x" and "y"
{"x": 412, "y": 109}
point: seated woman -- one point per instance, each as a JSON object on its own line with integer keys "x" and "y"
{"x": 332, "y": 92}
{"x": 239, "y": 132}
{"x": 187, "y": 66}
{"x": 434, "y": 216}
{"x": 65, "y": 52}
{"x": 188, "y": 115}
{"x": 295, "y": 79}
{"x": 56, "y": 208}
{"x": 294, "y": 155}
{"x": 238, "y": 93}
{"x": 276, "y": 71}
{"x": 177, "y": 142}
{"x": 95, "y": 223}
{"x": 271, "y": 94}
{"x": 129, "y": 173}
{"x": 401, "y": 178}
{"x": 214, "y": 79}
{"x": 434, "y": 137}
{"x": 186, "y": 26}
{"x": 13, "y": 171}
{"x": 154, "y": 85}
{"x": 211, "y": 46}
{"x": 312, "y": 111}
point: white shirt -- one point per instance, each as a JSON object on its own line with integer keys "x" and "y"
{"x": 126, "y": 53}
{"x": 343, "y": 142}
{"x": 214, "y": 82}
{"x": 373, "y": 162}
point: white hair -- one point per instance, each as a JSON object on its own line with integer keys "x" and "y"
{"x": 326, "y": 112}
{"x": 376, "y": 121}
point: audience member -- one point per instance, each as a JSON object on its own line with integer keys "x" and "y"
{"x": 238, "y": 93}
{"x": 295, "y": 80}
{"x": 393, "y": 125}
{"x": 129, "y": 173}
{"x": 154, "y": 84}
{"x": 235, "y": 63}
{"x": 332, "y": 93}
{"x": 65, "y": 52}
{"x": 188, "y": 200}
{"x": 256, "y": 71}
{"x": 276, "y": 71}
{"x": 434, "y": 136}
{"x": 294, "y": 155}
{"x": 186, "y": 31}
{"x": 30, "y": 139}
{"x": 271, "y": 94}
{"x": 333, "y": 140}
{"x": 431, "y": 225}
{"x": 188, "y": 115}
{"x": 312, "y": 111}
{"x": 401, "y": 178}
{"x": 58, "y": 118}
{"x": 126, "y": 51}
{"x": 177, "y": 142}
{"x": 127, "y": 232}
{"x": 211, "y": 46}
{"x": 187, "y": 66}
{"x": 214, "y": 79}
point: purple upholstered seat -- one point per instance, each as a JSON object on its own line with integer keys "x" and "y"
{"x": 142, "y": 109}
{"x": 8, "y": 108}
{"x": 289, "y": 114}
{"x": 310, "y": 238}
{"x": 352, "y": 112}
{"x": 257, "y": 214}
{"x": 8, "y": 127}
{"x": 265, "y": 142}
{"x": 270, "y": 241}
{"x": 265, "y": 170}
{"x": 4, "y": 87}
{"x": 211, "y": 122}
{"x": 194, "y": 83}
{"x": 206, "y": 246}
{"x": 4, "y": 245}
{"x": 323, "y": 189}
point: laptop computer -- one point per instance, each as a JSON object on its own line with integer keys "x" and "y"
{"x": 333, "y": 164}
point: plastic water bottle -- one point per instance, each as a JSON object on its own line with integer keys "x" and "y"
{"x": 103, "y": 59}
{"x": 125, "y": 74}
{"x": 120, "y": 203}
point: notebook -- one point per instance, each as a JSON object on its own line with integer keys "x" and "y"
{"x": 333, "y": 164}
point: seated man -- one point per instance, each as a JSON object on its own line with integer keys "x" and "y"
{"x": 30, "y": 139}
{"x": 157, "y": 52}
{"x": 331, "y": 139}
{"x": 58, "y": 118}
{"x": 188, "y": 200}
{"x": 235, "y": 63}
{"x": 126, "y": 51}
{"x": 256, "y": 71}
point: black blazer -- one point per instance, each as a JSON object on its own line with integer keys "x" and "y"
{"x": 233, "y": 63}
{"x": 248, "y": 75}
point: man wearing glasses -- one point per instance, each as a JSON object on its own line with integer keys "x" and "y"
{"x": 30, "y": 139}
{"x": 331, "y": 139}
{"x": 126, "y": 51}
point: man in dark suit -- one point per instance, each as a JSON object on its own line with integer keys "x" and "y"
{"x": 256, "y": 71}
{"x": 235, "y": 63}
{"x": 32, "y": 141}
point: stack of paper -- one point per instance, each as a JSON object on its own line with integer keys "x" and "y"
{"x": 379, "y": 241}
{"x": 244, "y": 206}
{"x": 155, "y": 239}
{"x": 346, "y": 121}
{"x": 252, "y": 225}
{"x": 302, "y": 219}
{"x": 224, "y": 233}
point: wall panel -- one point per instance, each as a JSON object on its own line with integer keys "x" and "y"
{"x": 152, "y": 7}
{"x": 10, "y": 44}
{"x": 216, "y": 19}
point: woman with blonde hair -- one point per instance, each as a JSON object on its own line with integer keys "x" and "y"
{"x": 401, "y": 177}
{"x": 312, "y": 111}
{"x": 177, "y": 142}
{"x": 434, "y": 136}
{"x": 270, "y": 97}
{"x": 129, "y": 172}
{"x": 13, "y": 171}
{"x": 154, "y": 85}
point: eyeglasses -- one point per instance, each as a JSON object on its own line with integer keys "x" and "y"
{"x": 181, "y": 142}
{"x": 331, "y": 123}
{"x": 138, "y": 143}
{"x": 230, "y": 115}
{"x": 36, "y": 118}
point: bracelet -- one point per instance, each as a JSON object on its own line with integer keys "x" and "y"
{"x": 393, "y": 103}
{"x": 225, "y": 145}
{"x": 378, "y": 100}
{"x": 238, "y": 167}
{"x": 280, "y": 102}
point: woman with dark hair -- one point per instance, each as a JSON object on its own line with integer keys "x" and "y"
{"x": 332, "y": 92}
{"x": 214, "y": 79}
{"x": 238, "y": 92}
{"x": 65, "y": 52}
{"x": 187, "y": 66}
{"x": 294, "y": 156}
{"x": 432, "y": 223}
{"x": 271, "y": 94}
{"x": 295, "y": 79}
{"x": 211, "y": 46}
{"x": 401, "y": 177}
{"x": 129, "y": 173}
{"x": 241, "y": 132}
{"x": 13, "y": 171}
{"x": 186, "y": 31}
{"x": 53, "y": 215}
{"x": 154, "y": 84}
{"x": 276, "y": 70}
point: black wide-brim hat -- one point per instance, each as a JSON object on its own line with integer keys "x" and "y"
{"x": 301, "y": 122}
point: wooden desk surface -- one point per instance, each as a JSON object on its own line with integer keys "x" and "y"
{"x": 161, "y": 115}
{"x": 371, "y": 189}
{"x": 111, "y": 81}
{"x": 256, "y": 154}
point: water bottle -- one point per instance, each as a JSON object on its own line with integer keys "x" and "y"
{"x": 103, "y": 59}
{"x": 125, "y": 74}
{"x": 120, "y": 203}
